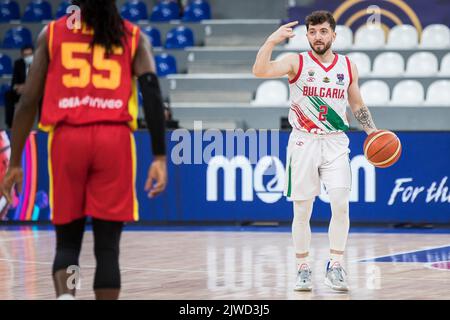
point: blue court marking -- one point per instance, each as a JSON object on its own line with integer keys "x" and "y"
{"x": 281, "y": 229}
{"x": 228, "y": 228}
{"x": 436, "y": 254}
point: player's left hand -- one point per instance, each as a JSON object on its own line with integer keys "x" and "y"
{"x": 14, "y": 176}
{"x": 157, "y": 177}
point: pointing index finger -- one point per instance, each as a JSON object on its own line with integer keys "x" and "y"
{"x": 291, "y": 24}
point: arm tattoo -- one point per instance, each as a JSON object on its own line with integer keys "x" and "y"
{"x": 364, "y": 118}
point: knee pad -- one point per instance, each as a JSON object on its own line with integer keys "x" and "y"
{"x": 106, "y": 249}
{"x": 68, "y": 244}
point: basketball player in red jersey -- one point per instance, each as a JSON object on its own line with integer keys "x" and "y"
{"x": 87, "y": 78}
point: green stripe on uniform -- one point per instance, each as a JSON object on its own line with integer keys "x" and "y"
{"x": 334, "y": 119}
{"x": 289, "y": 179}
{"x": 316, "y": 105}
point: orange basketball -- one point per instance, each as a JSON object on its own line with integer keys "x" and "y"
{"x": 382, "y": 148}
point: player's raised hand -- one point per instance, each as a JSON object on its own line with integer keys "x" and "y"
{"x": 14, "y": 176}
{"x": 157, "y": 177}
{"x": 284, "y": 32}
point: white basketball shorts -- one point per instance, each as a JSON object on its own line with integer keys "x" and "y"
{"x": 312, "y": 158}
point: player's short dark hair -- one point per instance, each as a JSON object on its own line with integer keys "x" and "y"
{"x": 319, "y": 17}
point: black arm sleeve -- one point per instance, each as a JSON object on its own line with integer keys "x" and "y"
{"x": 154, "y": 111}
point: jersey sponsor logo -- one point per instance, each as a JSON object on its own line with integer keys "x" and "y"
{"x": 88, "y": 101}
{"x": 340, "y": 77}
{"x": 322, "y": 92}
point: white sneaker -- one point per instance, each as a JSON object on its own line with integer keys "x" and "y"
{"x": 335, "y": 277}
{"x": 303, "y": 282}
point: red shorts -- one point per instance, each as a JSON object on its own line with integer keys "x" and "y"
{"x": 92, "y": 172}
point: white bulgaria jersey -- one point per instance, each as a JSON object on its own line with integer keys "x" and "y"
{"x": 318, "y": 95}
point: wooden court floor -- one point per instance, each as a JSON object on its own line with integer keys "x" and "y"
{"x": 233, "y": 265}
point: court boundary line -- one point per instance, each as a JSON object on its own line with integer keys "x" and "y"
{"x": 397, "y": 253}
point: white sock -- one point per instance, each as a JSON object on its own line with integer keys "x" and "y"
{"x": 340, "y": 222}
{"x": 302, "y": 262}
{"x": 301, "y": 230}
{"x": 336, "y": 258}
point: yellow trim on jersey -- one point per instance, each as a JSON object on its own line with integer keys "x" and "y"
{"x": 45, "y": 128}
{"x": 32, "y": 196}
{"x": 133, "y": 41}
{"x": 50, "y": 173}
{"x": 133, "y": 107}
{"x": 133, "y": 159}
{"x": 50, "y": 39}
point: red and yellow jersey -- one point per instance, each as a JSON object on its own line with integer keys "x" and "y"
{"x": 84, "y": 85}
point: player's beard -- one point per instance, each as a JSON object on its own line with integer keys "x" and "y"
{"x": 326, "y": 46}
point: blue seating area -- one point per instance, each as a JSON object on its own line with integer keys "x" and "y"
{"x": 3, "y": 89}
{"x": 9, "y": 10}
{"x": 62, "y": 9}
{"x": 154, "y": 35}
{"x": 5, "y": 65}
{"x": 17, "y": 37}
{"x": 14, "y": 36}
{"x": 133, "y": 10}
{"x": 179, "y": 38}
{"x": 197, "y": 10}
{"x": 165, "y": 10}
{"x": 165, "y": 64}
{"x": 37, "y": 11}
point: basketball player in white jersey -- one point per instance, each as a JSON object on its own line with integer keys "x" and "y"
{"x": 321, "y": 84}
